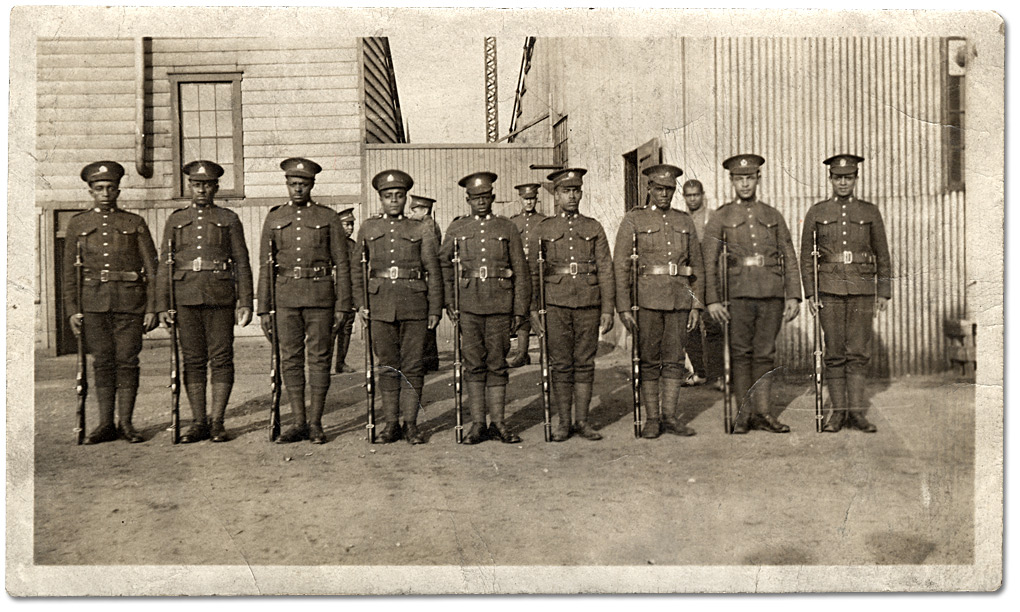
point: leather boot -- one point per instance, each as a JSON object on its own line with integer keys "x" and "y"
{"x": 741, "y": 384}
{"x": 855, "y": 387}
{"x": 837, "y": 399}
{"x": 220, "y": 397}
{"x": 582, "y": 403}
{"x": 391, "y": 413}
{"x": 670, "y": 397}
{"x": 409, "y": 403}
{"x": 315, "y": 410}
{"x": 106, "y": 397}
{"x": 562, "y": 394}
{"x": 650, "y": 401}
{"x": 476, "y": 405}
{"x": 763, "y": 419}
{"x": 125, "y": 409}
{"x": 495, "y": 401}
{"x": 299, "y": 430}
{"x": 199, "y": 428}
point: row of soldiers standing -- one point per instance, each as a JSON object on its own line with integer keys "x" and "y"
{"x": 411, "y": 280}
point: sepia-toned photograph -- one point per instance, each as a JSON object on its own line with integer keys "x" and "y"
{"x": 403, "y": 301}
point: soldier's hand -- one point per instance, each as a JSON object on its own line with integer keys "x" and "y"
{"x": 433, "y": 321}
{"x": 166, "y": 319}
{"x": 718, "y": 313}
{"x": 518, "y": 321}
{"x": 243, "y": 316}
{"x": 338, "y": 321}
{"x": 606, "y": 321}
{"x": 881, "y": 305}
{"x": 791, "y": 310}
{"x": 536, "y": 323}
{"x": 450, "y": 313}
{"x": 266, "y": 322}
{"x": 150, "y": 322}
{"x": 75, "y": 321}
{"x": 813, "y": 307}
{"x": 693, "y": 319}
{"x": 364, "y": 314}
{"x": 628, "y": 321}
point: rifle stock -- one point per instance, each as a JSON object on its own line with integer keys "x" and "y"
{"x": 819, "y": 351}
{"x": 543, "y": 343}
{"x": 369, "y": 356}
{"x": 275, "y": 376}
{"x": 724, "y": 275}
{"x": 458, "y": 366}
{"x": 635, "y": 359}
{"x": 81, "y": 381}
{"x": 175, "y": 363}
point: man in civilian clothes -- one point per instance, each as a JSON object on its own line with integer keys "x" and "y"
{"x": 212, "y": 289}
{"x": 670, "y": 295}
{"x": 579, "y": 296}
{"x": 495, "y": 294}
{"x": 854, "y": 286}
{"x": 421, "y": 210}
{"x": 343, "y": 334}
{"x": 526, "y": 221}
{"x": 705, "y": 348}
{"x": 764, "y": 286}
{"x": 313, "y": 294}
{"x": 405, "y": 293}
{"x": 118, "y": 296}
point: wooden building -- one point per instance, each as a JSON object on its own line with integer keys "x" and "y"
{"x": 153, "y": 104}
{"x": 617, "y": 105}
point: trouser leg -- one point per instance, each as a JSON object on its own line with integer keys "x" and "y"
{"x": 126, "y": 397}
{"x": 561, "y": 396}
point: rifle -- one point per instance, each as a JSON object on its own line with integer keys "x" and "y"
{"x": 369, "y": 357}
{"x": 81, "y": 381}
{"x": 543, "y": 342}
{"x": 635, "y": 359}
{"x": 275, "y": 376}
{"x": 458, "y": 366}
{"x": 819, "y": 350}
{"x": 175, "y": 350}
{"x": 724, "y": 275}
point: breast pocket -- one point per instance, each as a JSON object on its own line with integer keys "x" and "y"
{"x": 585, "y": 247}
{"x": 124, "y": 238}
{"x": 282, "y": 234}
{"x": 682, "y": 241}
{"x": 858, "y": 232}
{"x": 556, "y": 248}
{"x": 649, "y": 237}
{"x": 312, "y": 235}
{"x": 829, "y": 231}
{"x": 407, "y": 247}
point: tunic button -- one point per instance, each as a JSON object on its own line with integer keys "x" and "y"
{"x": 198, "y": 247}
{"x": 298, "y": 238}
{"x": 106, "y": 244}
{"x": 298, "y": 248}
{"x": 483, "y": 239}
{"x": 106, "y": 265}
{"x": 199, "y": 238}
{"x": 483, "y": 249}
{"x": 199, "y": 227}
{"x": 106, "y": 254}
{"x": 844, "y": 242}
{"x": 299, "y": 259}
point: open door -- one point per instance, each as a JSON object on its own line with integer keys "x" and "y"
{"x": 636, "y": 190}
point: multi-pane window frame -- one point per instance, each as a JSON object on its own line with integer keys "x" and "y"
{"x": 954, "y": 110}
{"x": 180, "y": 190}
{"x": 560, "y": 137}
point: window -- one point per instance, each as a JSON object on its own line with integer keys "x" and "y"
{"x": 206, "y": 116}
{"x": 560, "y": 142}
{"x": 953, "y": 108}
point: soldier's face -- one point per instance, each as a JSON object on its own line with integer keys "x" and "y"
{"x": 529, "y": 204}
{"x": 568, "y": 199}
{"x": 843, "y": 184}
{"x": 202, "y": 192}
{"x": 481, "y": 204}
{"x": 661, "y": 196}
{"x": 418, "y": 213}
{"x": 694, "y": 197}
{"x": 745, "y": 184}
{"x": 104, "y": 193}
{"x": 300, "y": 189}
{"x": 393, "y": 201}
{"x": 348, "y": 227}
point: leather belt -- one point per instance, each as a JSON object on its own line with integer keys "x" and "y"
{"x": 395, "y": 272}
{"x": 573, "y": 268}
{"x": 299, "y": 272}
{"x": 753, "y": 261}
{"x": 849, "y": 257}
{"x": 198, "y": 264}
{"x": 485, "y": 272}
{"x": 670, "y": 269}
{"x": 105, "y": 276}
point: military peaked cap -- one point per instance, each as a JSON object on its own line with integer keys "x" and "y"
{"x": 748, "y": 163}
{"x": 102, "y": 171}
{"x": 844, "y": 163}
{"x": 300, "y": 167}
{"x": 567, "y": 177}
{"x": 527, "y": 190}
{"x": 347, "y": 214}
{"x": 203, "y": 170}
{"x": 392, "y": 179}
{"x": 422, "y": 202}
{"x": 478, "y": 183}
{"x": 663, "y": 174}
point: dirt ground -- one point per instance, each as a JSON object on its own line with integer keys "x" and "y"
{"x": 902, "y": 496}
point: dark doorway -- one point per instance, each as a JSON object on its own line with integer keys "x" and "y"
{"x": 635, "y": 190}
{"x": 66, "y": 342}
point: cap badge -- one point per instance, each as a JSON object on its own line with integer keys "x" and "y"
{"x": 201, "y": 169}
{"x": 478, "y": 181}
{"x": 842, "y": 161}
{"x": 300, "y": 166}
{"x": 743, "y": 162}
{"x": 103, "y": 169}
{"x": 389, "y": 177}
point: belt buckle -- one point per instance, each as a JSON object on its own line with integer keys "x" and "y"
{"x": 394, "y": 272}
{"x": 673, "y": 269}
{"x": 483, "y": 272}
{"x": 196, "y": 264}
{"x": 297, "y": 272}
{"x": 573, "y": 268}
{"x": 104, "y": 276}
{"x": 759, "y": 260}
{"x": 848, "y": 257}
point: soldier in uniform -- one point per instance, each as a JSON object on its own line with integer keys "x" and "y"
{"x": 495, "y": 294}
{"x": 854, "y": 286}
{"x": 213, "y": 289}
{"x": 670, "y": 295}
{"x": 526, "y": 221}
{"x": 421, "y": 210}
{"x": 405, "y": 289}
{"x": 313, "y": 294}
{"x": 343, "y": 334}
{"x": 579, "y": 295}
{"x": 705, "y": 348}
{"x": 764, "y": 287}
{"x": 118, "y": 297}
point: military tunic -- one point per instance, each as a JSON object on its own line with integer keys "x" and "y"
{"x": 212, "y": 278}
{"x": 405, "y": 287}
{"x": 120, "y": 265}
{"x": 705, "y": 352}
{"x": 313, "y": 282}
{"x": 670, "y": 284}
{"x": 854, "y": 268}
{"x": 526, "y": 223}
{"x": 579, "y": 288}
{"x": 495, "y": 286}
{"x": 431, "y": 354}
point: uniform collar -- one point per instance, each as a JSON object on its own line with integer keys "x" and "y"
{"x": 101, "y": 210}
{"x": 309, "y": 203}
{"x": 400, "y": 216}
{"x": 197, "y": 206}
{"x": 483, "y": 217}
{"x": 849, "y": 198}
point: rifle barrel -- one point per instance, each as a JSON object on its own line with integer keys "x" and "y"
{"x": 175, "y": 365}
{"x": 635, "y": 359}
{"x": 81, "y": 382}
{"x": 543, "y": 344}
{"x": 458, "y": 366}
{"x": 369, "y": 356}
{"x": 275, "y": 378}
